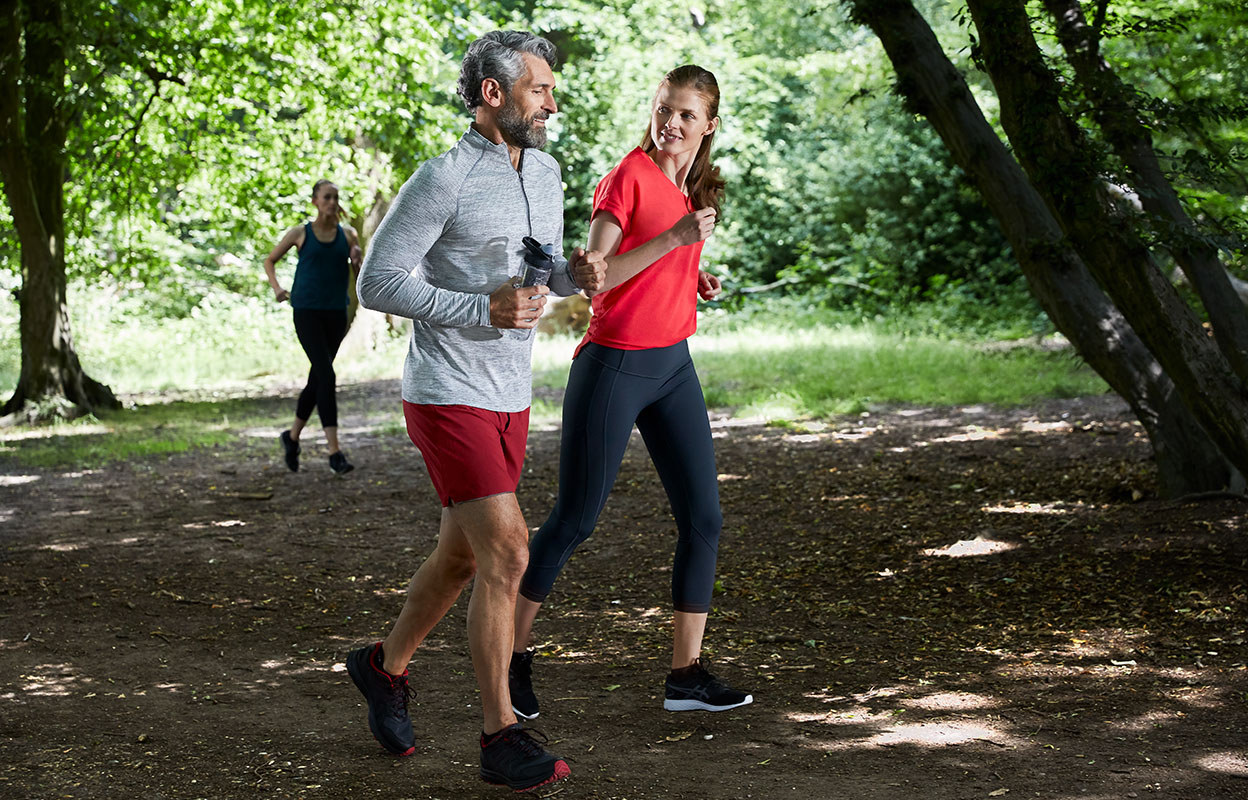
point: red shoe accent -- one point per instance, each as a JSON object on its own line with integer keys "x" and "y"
{"x": 372, "y": 662}
{"x": 562, "y": 770}
{"x": 406, "y": 752}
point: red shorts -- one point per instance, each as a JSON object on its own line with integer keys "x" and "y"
{"x": 470, "y": 452}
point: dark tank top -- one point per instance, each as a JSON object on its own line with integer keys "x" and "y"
{"x": 323, "y": 271}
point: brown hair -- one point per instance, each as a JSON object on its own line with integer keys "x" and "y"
{"x": 316, "y": 187}
{"x": 706, "y": 188}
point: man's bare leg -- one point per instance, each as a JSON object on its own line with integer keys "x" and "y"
{"x": 432, "y": 591}
{"x": 495, "y": 529}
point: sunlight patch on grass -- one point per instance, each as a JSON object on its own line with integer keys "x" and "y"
{"x": 838, "y": 370}
{"x": 144, "y": 430}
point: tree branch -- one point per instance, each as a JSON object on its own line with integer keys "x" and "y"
{"x": 1115, "y": 114}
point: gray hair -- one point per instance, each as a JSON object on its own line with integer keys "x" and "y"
{"x": 499, "y": 55}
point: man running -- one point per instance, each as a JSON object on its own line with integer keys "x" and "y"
{"x": 459, "y": 222}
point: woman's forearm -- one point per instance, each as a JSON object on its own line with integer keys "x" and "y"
{"x": 270, "y": 269}
{"x": 625, "y": 266}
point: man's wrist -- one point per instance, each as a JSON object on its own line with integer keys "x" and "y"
{"x": 484, "y": 317}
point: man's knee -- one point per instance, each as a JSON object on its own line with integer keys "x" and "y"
{"x": 509, "y": 560}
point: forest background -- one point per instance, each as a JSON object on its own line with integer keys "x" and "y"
{"x": 193, "y": 131}
{"x": 952, "y": 559}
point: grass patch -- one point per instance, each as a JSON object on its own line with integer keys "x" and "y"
{"x": 786, "y": 362}
{"x": 826, "y": 371}
{"x": 145, "y": 430}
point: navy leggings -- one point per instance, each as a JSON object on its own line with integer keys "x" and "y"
{"x": 320, "y": 331}
{"x": 609, "y": 390}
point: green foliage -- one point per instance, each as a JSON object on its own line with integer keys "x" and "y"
{"x": 1184, "y": 61}
{"x": 831, "y": 186}
{"x": 199, "y": 128}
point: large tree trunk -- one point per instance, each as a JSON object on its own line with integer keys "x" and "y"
{"x": 368, "y": 328}
{"x": 1131, "y": 141}
{"x": 1188, "y": 461}
{"x": 32, "y": 163}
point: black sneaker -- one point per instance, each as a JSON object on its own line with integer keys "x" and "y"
{"x": 512, "y": 757}
{"x": 695, "y": 689}
{"x": 387, "y": 697}
{"x": 520, "y": 683}
{"x": 291, "y": 449}
{"x": 338, "y": 463}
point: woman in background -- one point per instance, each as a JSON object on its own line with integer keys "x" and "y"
{"x": 328, "y": 252}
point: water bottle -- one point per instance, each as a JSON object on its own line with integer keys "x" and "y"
{"x": 539, "y": 263}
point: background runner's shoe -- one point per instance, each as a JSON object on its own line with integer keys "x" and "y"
{"x": 338, "y": 463}
{"x": 513, "y": 758}
{"x": 290, "y": 450}
{"x": 387, "y": 697}
{"x": 520, "y": 684}
{"x": 695, "y": 689}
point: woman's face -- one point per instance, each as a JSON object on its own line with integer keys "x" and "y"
{"x": 326, "y": 200}
{"x": 679, "y": 120}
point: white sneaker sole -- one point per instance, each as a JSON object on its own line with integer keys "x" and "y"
{"x": 523, "y": 715}
{"x": 698, "y": 705}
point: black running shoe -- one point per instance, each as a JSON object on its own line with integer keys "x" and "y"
{"x": 512, "y": 757}
{"x": 338, "y": 463}
{"x": 387, "y": 697}
{"x": 291, "y": 450}
{"x": 520, "y": 683}
{"x": 695, "y": 689}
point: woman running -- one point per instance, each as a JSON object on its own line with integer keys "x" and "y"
{"x": 651, "y": 214}
{"x": 328, "y": 252}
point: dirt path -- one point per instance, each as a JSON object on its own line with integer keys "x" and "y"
{"x": 938, "y": 604}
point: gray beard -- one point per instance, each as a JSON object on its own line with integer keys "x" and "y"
{"x": 518, "y": 131}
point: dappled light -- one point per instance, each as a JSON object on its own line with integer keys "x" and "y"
{"x": 951, "y": 701}
{"x": 1026, "y": 508}
{"x": 50, "y": 680}
{"x": 1227, "y": 762}
{"x": 979, "y": 546}
{"x": 17, "y": 480}
{"x": 941, "y": 734}
{"x": 972, "y": 434}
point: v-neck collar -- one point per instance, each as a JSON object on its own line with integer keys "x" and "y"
{"x": 666, "y": 179}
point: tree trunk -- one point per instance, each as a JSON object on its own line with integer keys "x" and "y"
{"x": 367, "y": 327}
{"x": 1057, "y": 157}
{"x": 1114, "y": 112}
{"x": 32, "y": 163}
{"x": 1188, "y": 461}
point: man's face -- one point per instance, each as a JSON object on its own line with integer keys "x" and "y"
{"x": 531, "y": 101}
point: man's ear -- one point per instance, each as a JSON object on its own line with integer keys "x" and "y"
{"x": 492, "y": 93}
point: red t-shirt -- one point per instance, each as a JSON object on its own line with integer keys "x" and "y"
{"x": 657, "y": 307}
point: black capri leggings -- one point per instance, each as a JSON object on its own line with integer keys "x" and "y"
{"x": 320, "y": 331}
{"x": 609, "y": 390}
